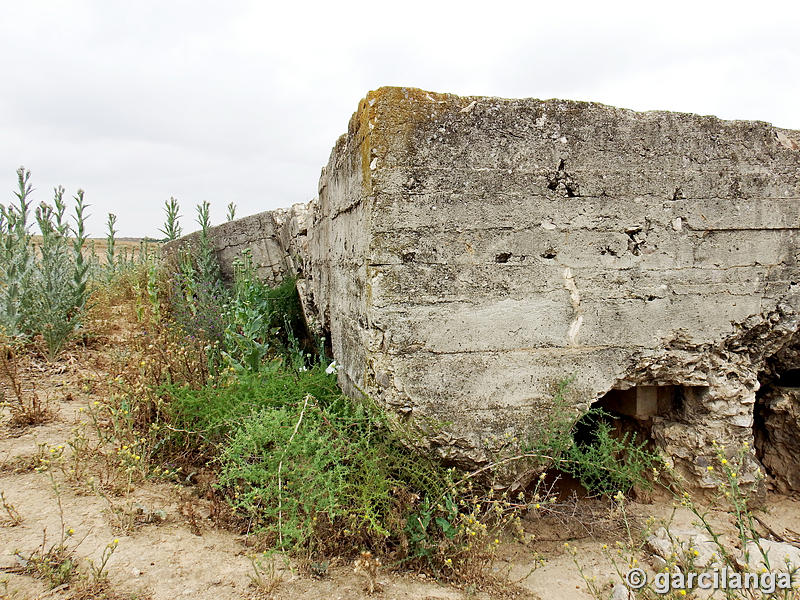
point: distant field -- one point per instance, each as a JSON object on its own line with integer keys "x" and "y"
{"x": 122, "y": 246}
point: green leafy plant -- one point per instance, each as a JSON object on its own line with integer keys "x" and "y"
{"x": 262, "y": 322}
{"x": 44, "y": 289}
{"x": 207, "y": 265}
{"x": 608, "y": 463}
{"x": 17, "y": 264}
{"x": 80, "y": 278}
{"x": 111, "y": 233}
{"x": 300, "y": 468}
{"x": 172, "y": 228}
{"x": 53, "y": 311}
{"x": 604, "y": 463}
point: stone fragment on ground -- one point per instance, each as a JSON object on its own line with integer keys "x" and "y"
{"x": 781, "y": 556}
{"x": 683, "y": 543}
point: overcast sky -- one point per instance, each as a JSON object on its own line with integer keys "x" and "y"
{"x": 242, "y": 101}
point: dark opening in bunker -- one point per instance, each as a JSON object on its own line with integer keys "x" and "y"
{"x": 776, "y": 429}
{"x": 625, "y": 415}
{"x": 630, "y": 411}
{"x": 789, "y": 379}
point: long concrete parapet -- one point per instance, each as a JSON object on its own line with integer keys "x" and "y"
{"x": 276, "y": 240}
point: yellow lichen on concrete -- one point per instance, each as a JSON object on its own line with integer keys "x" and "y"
{"x": 387, "y": 116}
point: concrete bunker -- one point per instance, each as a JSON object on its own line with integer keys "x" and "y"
{"x": 464, "y": 253}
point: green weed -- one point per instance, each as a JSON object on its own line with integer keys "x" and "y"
{"x": 44, "y": 290}
{"x": 17, "y": 264}
{"x": 172, "y": 228}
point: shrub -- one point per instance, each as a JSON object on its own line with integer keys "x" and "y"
{"x": 213, "y": 411}
{"x": 172, "y": 228}
{"x": 207, "y": 265}
{"x": 311, "y": 469}
{"x": 197, "y": 297}
{"x": 609, "y": 463}
{"x": 45, "y": 292}
{"x": 292, "y": 465}
{"x": 605, "y": 463}
{"x": 53, "y": 313}
{"x": 263, "y": 322}
{"x": 196, "y": 306}
{"x": 17, "y": 264}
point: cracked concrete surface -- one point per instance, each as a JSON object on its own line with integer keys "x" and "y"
{"x": 467, "y": 254}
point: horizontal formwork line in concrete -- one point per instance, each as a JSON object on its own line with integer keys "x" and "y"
{"x": 619, "y": 229}
{"x": 652, "y": 193}
{"x": 645, "y": 199}
{"x": 580, "y": 183}
{"x": 593, "y": 294}
{"x": 586, "y": 294}
{"x": 535, "y": 262}
{"x": 544, "y": 349}
{"x": 625, "y": 168}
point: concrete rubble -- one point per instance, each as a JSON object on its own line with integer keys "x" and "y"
{"x": 684, "y": 544}
{"x": 772, "y": 556}
{"x": 464, "y": 255}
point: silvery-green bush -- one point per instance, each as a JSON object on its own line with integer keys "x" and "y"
{"x": 43, "y": 287}
{"x": 17, "y": 264}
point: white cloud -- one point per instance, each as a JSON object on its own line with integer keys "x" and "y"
{"x": 242, "y": 101}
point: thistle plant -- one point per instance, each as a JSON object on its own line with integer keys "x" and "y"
{"x": 53, "y": 312}
{"x": 60, "y": 210}
{"x": 231, "y": 212}
{"x": 94, "y": 260}
{"x": 80, "y": 275}
{"x": 204, "y": 215}
{"x": 42, "y": 292}
{"x": 172, "y": 228}
{"x": 206, "y": 261}
{"x": 17, "y": 264}
{"x": 152, "y": 290}
{"x": 110, "y": 239}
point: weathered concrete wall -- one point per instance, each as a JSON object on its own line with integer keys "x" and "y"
{"x": 467, "y": 254}
{"x": 276, "y": 239}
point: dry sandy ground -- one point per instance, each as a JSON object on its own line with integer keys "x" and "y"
{"x": 182, "y": 558}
